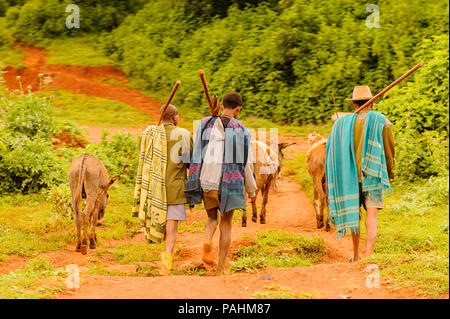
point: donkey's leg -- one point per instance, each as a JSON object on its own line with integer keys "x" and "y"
{"x": 90, "y": 203}
{"x": 254, "y": 209}
{"x": 265, "y": 193}
{"x": 78, "y": 221}
{"x": 93, "y": 237}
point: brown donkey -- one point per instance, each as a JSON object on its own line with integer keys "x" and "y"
{"x": 316, "y": 168}
{"x": 267, "y": 168}
{"x": 88, "y": 178}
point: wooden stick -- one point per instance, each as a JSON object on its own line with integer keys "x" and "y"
{"x": 174, "y": 90}
{"x": 390, "y": 86}
{"x": 205, "y": 88}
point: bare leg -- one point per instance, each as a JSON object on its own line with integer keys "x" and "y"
{"x": 171, "y": 234}
{"x": 210, "y": 229}
{"x": 355, "y": 239}
{"x": 225, "y": 240}
{"x": 371, "y": 230}
{"x": 244, "y": 218}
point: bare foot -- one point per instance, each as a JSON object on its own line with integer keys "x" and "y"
{"x": 207, "y": 257}
{"x": 354, "y": 259}
{"x": 220, "y": 272}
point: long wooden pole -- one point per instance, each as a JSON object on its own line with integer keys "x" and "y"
{"x": 205, "y": 88}
{"x": 390, "y": 86}
{"x": 174, "y": 90}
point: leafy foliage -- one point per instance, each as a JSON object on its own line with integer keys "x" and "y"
{"x": 286, "y": 59}
{"x": 420, "y": 115}
{"x": 37, "y": 20}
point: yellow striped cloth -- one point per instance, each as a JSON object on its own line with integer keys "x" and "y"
{"x": 150, "y": 203}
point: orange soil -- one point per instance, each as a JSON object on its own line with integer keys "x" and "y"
{"x": 289, "y": 209}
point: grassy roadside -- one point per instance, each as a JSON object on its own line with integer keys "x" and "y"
{"x": 88, "y": 110}
{"x": 412, "y": 248}
{"x": 81, "y": 51}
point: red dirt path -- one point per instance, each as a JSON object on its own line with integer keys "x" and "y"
{"x": 289, "y": 209}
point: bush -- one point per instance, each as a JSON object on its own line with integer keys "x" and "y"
{"x": 120, "y": 155}
{"x": 38, "y": 20}
{"x": 286, "y": 60}
{"x": 61, "y": 200}
{"x": 420, "y": 115}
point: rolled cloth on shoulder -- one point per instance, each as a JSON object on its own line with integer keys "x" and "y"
{"x": 231, "y": 188}
{"x": 150, "y": 203}
{"x": 342, "y": 177}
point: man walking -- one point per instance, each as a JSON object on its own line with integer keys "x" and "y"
{"x": 359, "y": 165}
{"x": 159, "y": 198}
{"x": 220, "y": 171}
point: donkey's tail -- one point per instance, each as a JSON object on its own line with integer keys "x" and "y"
{"x": 78, "y": 192}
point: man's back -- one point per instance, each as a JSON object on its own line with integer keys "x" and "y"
{"x": 388, "y": 141}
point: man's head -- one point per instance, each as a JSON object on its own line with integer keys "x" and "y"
{"x": 232, "y": 104}
{"x": 361, "y": 94}
{"x": 170, "y": 115}
{"x": 358, "y": 104}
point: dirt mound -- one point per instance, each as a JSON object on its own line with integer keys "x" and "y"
{"x": 65, "y": 139}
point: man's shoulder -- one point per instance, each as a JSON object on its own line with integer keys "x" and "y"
{"x": 181, "y": 131}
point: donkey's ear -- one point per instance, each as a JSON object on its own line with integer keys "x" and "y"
{"x": 112, "y": 181}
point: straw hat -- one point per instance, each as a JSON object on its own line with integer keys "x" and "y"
{"x": 361, "y": 93}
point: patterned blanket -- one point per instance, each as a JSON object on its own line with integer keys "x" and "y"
{"x": 150, "y": 203}
{"x": 342, "y": 177}
{"x": 231, "y": 188}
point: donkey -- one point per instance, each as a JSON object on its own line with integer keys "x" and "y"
{"x": 267, "y": 168}
{"x": 316, "y": 168}
{"x": 88, "y": 178}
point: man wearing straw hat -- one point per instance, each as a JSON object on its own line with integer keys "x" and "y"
{"x": 159, "y": 199}
{"x": 359, "y": 166}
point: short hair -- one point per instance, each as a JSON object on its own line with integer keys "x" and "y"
{"x": 360, "y": 102}
{"x": 232, "y": 100}
{"x": 169, "y": 113}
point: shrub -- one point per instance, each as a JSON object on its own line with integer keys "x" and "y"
{"x": 61, "y": 200}
{"x": 420, "y": 115}
{"x": 119, "y": 154}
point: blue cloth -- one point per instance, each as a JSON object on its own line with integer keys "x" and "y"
{"x": 374, "y": 173}
{"x": 342, "y": 177}
{"x": 231, "y": 188}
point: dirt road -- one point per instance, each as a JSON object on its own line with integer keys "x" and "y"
{"x": 289, "y": 209}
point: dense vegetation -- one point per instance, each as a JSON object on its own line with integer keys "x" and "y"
{"x": 29, "y": 160}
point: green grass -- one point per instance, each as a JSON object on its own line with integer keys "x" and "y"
{"x": 38, "y": 279}
{"x": 130, "y": 253}
{"x": 87, "y": 110}
{"x": 82, "y": 51}
{"x": 278, "y": 292}
{"x": 30, "y": 225}
{"x": 10, "y": 56}
{"x": 297, "y": 169}
{"x": 277, "y": 248}
{"x": 413, "y": 244}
